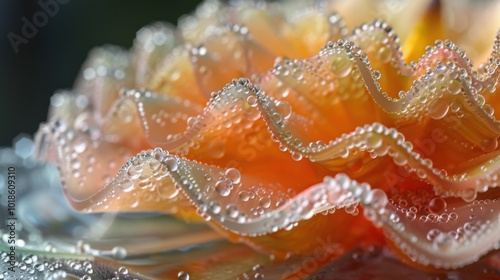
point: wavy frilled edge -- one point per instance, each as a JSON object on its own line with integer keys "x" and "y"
{"x": 213, "y": 203}
{"x": 408, "y": 106}
{"x": 339, "y": 194}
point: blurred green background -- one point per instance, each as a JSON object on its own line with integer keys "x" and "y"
{"x": 51, "y": 60}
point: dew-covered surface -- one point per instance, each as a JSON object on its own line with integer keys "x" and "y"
{"x": 53, "y": 266}
{"x": 373, "y": 262}
{"x": 334, "y": 137}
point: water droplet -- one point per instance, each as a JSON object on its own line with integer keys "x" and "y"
{"x": 384, "y": 54}
{"x": 488, "y": 109}
{"x": 234, "y": 175}
{"x": 265, "y": 202}
{"x": 182, "y": 275}
{"x": 133, "y": 173}
{"x": 191, "y": 121}
{"x": 215, "y": 207}
{"x": 222, "y": 188}
{"x": 469, "y": 195}
{"x": 252, "y": 101}
{"x": 376, "y": 198}
{"x": 394, "y": 218}
{"x": 257, "y": 268}
{"x": 350, "y": 209}
{"x": 400, "y": 159}
{"x": 154, "y": 164}
{"x": 244, "y": 196}
{"x": 432, "y": 234}
{"x": 277, "y": 117}
{"x": 438, "y": 109}
{"x": 126, "y": 185}
{"x": 208, "y": 177}
{"x": 344, "y": 153}
{"x": 258, "y": 275}
{"x": 29, "y": 259}
{"x": 119, "y": 252}
{"x": 411, "y": 215}
{"x": 489, "y": 145}
{"x": 296, "y": 156}
{"x": 452, "y": 216}
{"x": 480, "y": 100}
{"x": 39, "y": 266}
{"x": 79, "y": 146}
{"x": 373, "y": 140}
{"x": 370, "y": 215}
{"x": 437, "y": 205}
{"x": 171, "y": 164}
{"x": 284, "y": 109}
{"x": 75, "y": 164}
{"x": 232, "y": 211}
{"x": 123, "y": 270}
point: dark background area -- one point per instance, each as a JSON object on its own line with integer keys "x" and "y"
{"x": 52, "y": 58}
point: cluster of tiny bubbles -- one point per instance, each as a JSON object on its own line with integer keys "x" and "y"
{"x": 379, "y": 40}
{"x": 377, "y": 140}
{"x": 116, "y": 252}
{"x": 339, "y": 192}
{"x": 445, "y": 78}
{"x": 259, "y": 200}
{"x": 429, "y": 93}
{"x": 145, "y": 171}
{"x": 451, "y": 53}
{"x": 231, "y": 110}
{"x": 31, "y": 266}
{"x": 351, "y": 52}
{"x": 437, "y": 218}
{"x": 421, "y": 204}
{"x": 370, "y": 138}
{"x": 465, "y": 234}
{"x": 375, "y": 205}
{"x": 352, "y": 209}
{"x": 88, "y": 270}
{"x": 279, "y": 112}
{"x": 227, "y": 183}
{"x": 257, "y": 272}
{"x": 252, "y": 201}
{"x": 434, "y": 211}
{"x": 75, "y": 148}
{"x": 439, "y": 240}
{"x": 329, "y": 78}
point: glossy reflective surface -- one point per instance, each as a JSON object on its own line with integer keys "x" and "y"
{"x": 329, "y": 123}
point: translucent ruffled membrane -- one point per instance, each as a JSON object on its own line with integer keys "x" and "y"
{"x": 271, "y": 159}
